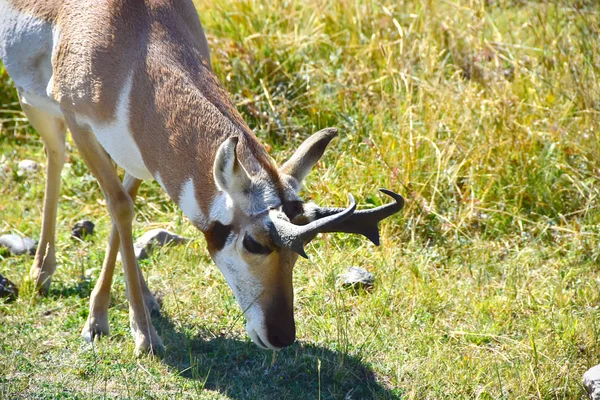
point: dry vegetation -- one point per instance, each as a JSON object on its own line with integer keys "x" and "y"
{"x": 484, "y": 114}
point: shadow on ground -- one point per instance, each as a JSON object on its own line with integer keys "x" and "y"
{"x": 81, "y": 288}
{"x": 239, "y": 370}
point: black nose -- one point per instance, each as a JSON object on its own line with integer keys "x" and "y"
{"x": 281, "y": 335}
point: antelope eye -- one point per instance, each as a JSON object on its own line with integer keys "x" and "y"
{"x": 254, "y": 247}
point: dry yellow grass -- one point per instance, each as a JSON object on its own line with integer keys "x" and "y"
{"x": 484, "y": 114}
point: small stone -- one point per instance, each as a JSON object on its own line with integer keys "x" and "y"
{"x": 82, "y": 229}
{"x": 509, "y": 73}
{"x": 155, "y": 237}
{"x": 8, "y": 290}
{"x": 591, "y": 382}
{"x": 18, "y": 245}
{"x": 5, "y": 168}
{"x": 356, "y": 277}
{"x": 27, "y": 167}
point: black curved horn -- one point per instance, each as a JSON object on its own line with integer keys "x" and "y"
{"x": 288, "y": 235}
{"x": 363, "y": 222}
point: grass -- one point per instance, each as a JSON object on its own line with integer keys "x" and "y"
{"x": 484, "y": 114}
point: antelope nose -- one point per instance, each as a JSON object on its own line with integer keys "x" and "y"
{"x": 281, "y": 336}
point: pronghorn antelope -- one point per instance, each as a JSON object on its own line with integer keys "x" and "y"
{"x": 132, "y": 81}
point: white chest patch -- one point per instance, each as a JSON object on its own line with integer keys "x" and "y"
{"x": 189, "y": 204}
{"x": 117, "y": 139}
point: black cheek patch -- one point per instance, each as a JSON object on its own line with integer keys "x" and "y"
{"x": 216, "y": 236}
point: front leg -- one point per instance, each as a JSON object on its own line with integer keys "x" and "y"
{"x": 120, "y": 206}
{"x": 97, "y": 323}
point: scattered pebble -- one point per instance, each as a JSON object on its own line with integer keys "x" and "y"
{"x": 27, "y": 167}
{"x": 82, "y": 229}
{"x": 5, "y": 168}
{"x": 18, "y": 245}
{"x": 156, "y": 237}
{"x": 8, "y": 290}
{"x": 591, "y": 382}
{"x": 356, "y": 277}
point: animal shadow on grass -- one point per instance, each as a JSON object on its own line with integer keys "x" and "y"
{"x": 82, "y": 289}
{"x": 240, "y": 370}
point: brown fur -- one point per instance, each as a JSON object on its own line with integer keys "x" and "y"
{"x": 185, "y": 114}
{"x": 179, "y": 116}
{"x": 46, "y": 10}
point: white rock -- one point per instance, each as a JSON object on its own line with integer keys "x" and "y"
{"x": 355, "y": 277}
{"x": 591, "y": 381}
{"x": 5, "y": 168}
{"x": 18, "y": 245}
{"x": 26, "y": 167}
{"x": 155, "y": 237}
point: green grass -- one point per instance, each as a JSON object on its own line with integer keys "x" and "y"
{"x": 484, "y": 114}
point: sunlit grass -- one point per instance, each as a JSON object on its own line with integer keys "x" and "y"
{"x": 484, "y": 115}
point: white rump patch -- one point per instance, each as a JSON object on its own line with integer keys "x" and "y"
{"x": 55, "y": 41}
{"x": 42, "y": 103}
{"x": 26, "y": 44}
{"x": 189, "y": 204}
{"x": 158, "y": 179}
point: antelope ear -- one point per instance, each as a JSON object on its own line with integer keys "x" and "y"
{"x": 307, "y": 155}
{"x": 229, "y": 174}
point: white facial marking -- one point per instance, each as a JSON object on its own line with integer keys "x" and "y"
{"x": 221, "y": 209}
{"x": 189, "y": 204}
{"x": 246, "y": 289}
{"x": 117, "y": 138}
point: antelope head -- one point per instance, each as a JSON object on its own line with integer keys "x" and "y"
{"x": 266, "y": 228}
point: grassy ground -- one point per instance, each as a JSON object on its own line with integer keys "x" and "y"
{"x": 484, "y": 114}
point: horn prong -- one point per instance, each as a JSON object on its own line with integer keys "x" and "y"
{"x": 364, "y": 222}
{"x": 398, "y": 198}
{"x": 288, "y": 235}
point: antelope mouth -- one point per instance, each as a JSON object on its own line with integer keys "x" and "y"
{"x": 259, "y": 342}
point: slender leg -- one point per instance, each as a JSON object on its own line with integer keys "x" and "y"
{"x": 97, "y": 323}
{"x": 52, "y": 130}
{"x": 121, "y": 210}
